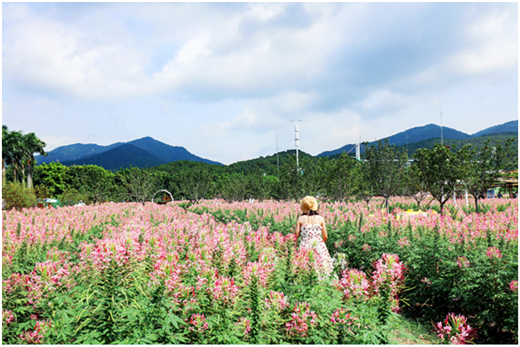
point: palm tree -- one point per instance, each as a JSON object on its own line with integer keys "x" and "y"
{"x": 31, "y": 144}
{"x": 12, "y": 153}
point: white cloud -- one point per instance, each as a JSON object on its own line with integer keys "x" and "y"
{"x": 246, "y": 69}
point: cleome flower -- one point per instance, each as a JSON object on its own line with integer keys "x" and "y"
{"x": 224, "y": 289}
{"x": 354, "y": 284}
{"x": 302, "y": 319}
{"x": 198, "y": 323}
{"x": 341, "y": 316}
{"x": 35, "y": 337}
{"x": 455, "y": 330}
{"x": 493, "y": 252}
{"x": 245, "y": 324}
{"x": 389, "y": 270}
{"x": 276, "y": 301}
{"x": 462, "y": 262}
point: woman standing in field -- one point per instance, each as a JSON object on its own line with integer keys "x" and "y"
{"x": 311, "y": 227}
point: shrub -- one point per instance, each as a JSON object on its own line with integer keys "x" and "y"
{"x": 71, "y": 197}
{"x": 15, "y": 195}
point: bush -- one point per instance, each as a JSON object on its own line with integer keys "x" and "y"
{"x": 71, "y": 197}
{"x": 15, "y": 195}
{"x": 42, "y": 192}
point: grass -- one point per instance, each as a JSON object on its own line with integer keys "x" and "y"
{"x": 406, "y": 331}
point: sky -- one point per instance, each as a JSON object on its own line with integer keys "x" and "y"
{"x": 224, "y": 80}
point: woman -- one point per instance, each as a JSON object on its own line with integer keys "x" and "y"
{"x": 311, "y": 227}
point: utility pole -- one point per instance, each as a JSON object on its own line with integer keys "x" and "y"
{"x": 358, "y": 149}
{"x": 296, "y": 140}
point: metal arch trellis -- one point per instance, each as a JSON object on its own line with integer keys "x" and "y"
{"x": 162, "y": 190}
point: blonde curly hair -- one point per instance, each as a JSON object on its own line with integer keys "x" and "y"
{"x": 308, "y": 203}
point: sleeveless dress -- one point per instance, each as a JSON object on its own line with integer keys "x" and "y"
{"x": 311, "y": 238}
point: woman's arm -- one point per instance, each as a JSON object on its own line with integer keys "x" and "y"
{"x": 298, "y": 224}
{"x": 323, "y": 230}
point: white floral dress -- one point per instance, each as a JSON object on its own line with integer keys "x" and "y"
{"x": 311, "y": 237}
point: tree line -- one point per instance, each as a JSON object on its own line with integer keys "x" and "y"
{"x": 385, "y": 170}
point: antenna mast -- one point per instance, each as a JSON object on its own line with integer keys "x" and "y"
{"x": 296, "y": 139}
{"x": 358, "y": 148}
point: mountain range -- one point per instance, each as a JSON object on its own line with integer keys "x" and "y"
{"x": 148, "y": 152}
{"x": 144, "y": 152}
{"x": 431, "y": 131}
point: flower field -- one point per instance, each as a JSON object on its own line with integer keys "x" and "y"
{"x": 217, "y": 272}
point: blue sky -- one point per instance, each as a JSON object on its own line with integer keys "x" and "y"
{"x": 222, "y": 79}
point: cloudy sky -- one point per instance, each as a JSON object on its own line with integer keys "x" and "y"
{"x": 224, "y": 79}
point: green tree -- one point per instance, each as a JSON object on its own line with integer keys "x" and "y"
{"x": 30, "y": 145}
{"x": 414, "y": 186}
{"x": 232, "y": 187}
{"x": 195, "y": 183}
{"x": 53, "y": 176}
{"x": 96, "y": 183}
{"x": 441, "y": 169}
{"x": 12, "y": 153}
{"x": 337, "y": 177}
{"x": 364, "y": 189}
{"x": 384, "y": 168}
{"x": 140, "y": 184}
{"x": 485, "y": 166}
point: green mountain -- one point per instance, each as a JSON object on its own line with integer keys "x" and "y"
{"x": 152, "y": 152}
{"x": 509, "y": 127}
{"x": 430, "y": 131}
{"x": 119, "y": 157}
{"x": 261, "y": 165}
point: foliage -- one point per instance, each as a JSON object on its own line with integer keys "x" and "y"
{"x": 441, "y": 169}
{"x": 485, "y": 166}
{"x": 384, "y": 168}
{"x": 16, "y": 196}
{"x": 52, "y": 176}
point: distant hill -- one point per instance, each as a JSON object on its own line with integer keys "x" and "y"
{"x": 119, "y": 157}
{"x": 166, "y": 152}
{"x": 258, "y": 165}
{"x": 430, "y": 131}
{"x": 475, "y": 141}
{"x": 149, "y": 152}
{"x": 73, "y": 152}
{"x": 509, "y": 127}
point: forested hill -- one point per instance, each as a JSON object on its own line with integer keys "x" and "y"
{"x": 267, "y": 165}
{"x": 432, "y": 132}
{"x": 478, "y": 142}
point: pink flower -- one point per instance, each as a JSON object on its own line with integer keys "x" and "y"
{"x": 513, "y": 285}
{"x": 493, "y": 252}
{"x": 245, "y": 324}
{"x": 276, "y": 300}
{"x": 455, "y": 330}
{"x": 35, "y": 337}
{"x": 341, "y": 316}
{"x": 198, "y": 323}
{"x": 7, "y": 317}
{"x": 426, "y": 280}
{"x": 462, "y": 262}
{"x": 354, "y": 284}
{"x": 224, "y": 289}
{"x": 301, "y": 319}
{"x": 351, "y": 237}
{"x": 260, "y": 270}
{"x": 366, "y": 247}
{"x": 389, "y": 270}
{"x": 403, "y": 242}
